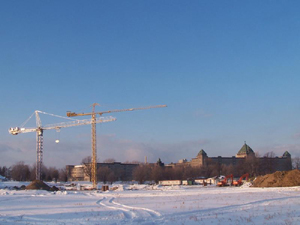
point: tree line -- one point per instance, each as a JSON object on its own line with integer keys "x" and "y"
{"x": 22, "y": 172}
{"x": 253, "y": 165}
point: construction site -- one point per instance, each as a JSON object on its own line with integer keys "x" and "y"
{"x": 124, "y": 171}
{"x": 150, "y": 112}
{"x": 39, "y": 129}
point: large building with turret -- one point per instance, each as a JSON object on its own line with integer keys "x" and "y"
{"x": 123, "y": 171}
{"x": 281, "y": 163}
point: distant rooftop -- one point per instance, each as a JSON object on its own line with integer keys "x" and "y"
{"x": 245, "y": 150}
{"x": 286, "y": 154}
{"x": 202, "y": 152}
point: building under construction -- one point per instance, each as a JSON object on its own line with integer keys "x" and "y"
{"x": 121, "y": 171}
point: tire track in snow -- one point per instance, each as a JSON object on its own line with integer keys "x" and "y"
{"x": 107, "y": 203}
{"x": 232, "y": 208}
{"x": 129, "y": 212}
{"x": 152, "y": 213}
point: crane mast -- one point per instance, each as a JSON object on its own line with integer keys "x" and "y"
{"x": 93, "y": 124}
{"x": 94, "y": 148}
{"x": 39, "y": 153}
{"x": 39, "y": 146}
{"x": 39, "y": 129}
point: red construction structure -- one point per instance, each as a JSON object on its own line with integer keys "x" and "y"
{"x": 223, "y": 183}
{"x": 239, "y": 182}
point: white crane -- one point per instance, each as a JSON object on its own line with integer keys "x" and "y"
{"x": 39, "y": 129}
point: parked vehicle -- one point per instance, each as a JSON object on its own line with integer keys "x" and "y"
{"x": 223, "y": 182}
{"x": 239, "y": 182}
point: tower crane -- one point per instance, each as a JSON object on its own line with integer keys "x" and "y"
{"x": 93, "y": 123}
{"x": 39, "y": 129}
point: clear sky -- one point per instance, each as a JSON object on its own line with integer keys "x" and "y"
{"x": 228, "y": 71}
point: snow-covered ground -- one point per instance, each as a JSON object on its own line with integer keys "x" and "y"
{"x": 144, "y": 204}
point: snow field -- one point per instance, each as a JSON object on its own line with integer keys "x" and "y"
{"x": 143, "y": 204}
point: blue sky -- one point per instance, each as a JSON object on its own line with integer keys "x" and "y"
{"x": 228, "y": 71}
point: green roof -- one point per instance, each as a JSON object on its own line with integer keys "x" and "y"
{"x": 202, "y": 152}
{"x": 286, "y": 154}
{"x": 245, "y": 150}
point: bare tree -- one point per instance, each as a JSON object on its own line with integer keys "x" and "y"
{"x": 109, "y": 160}
{"x": 87, "y": 169}
{"x": 176, "y": 173}
{"x": 44, "y": 172}
{"x": 20, "y": 172}
{"x": 202, "y": 171}
{"x": 141, "y": 173}
{"x": 227, "y": 169}
{"x": 132, "y": 162}
{"x": 252, "y": 165}
{"x": 168, "y": 173}
{"x": 296, "y": 163}
{"x": 63, "y": 175}
{"x": 111, "y": 177}
{"x": 120, "y": 174}
{"x": 104, "y": 173}
{"x": 33, "y": 172}
{"x": 52, "y": 174}
{"x": 4, "y": 171}
{"x": 187, "y": 172}
{"x": 157, "y": 173}
{"x": 212, "y": 168}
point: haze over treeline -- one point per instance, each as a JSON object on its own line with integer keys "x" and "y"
{"x": 148, "y": 172}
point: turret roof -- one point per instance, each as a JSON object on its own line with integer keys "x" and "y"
{"x": 245, "y": 150}
{"x": 202, "y": 152}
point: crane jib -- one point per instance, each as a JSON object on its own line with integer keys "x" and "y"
{"x": 72, "y": 114}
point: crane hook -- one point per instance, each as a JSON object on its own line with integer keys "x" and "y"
{"x": 57, "y": 136}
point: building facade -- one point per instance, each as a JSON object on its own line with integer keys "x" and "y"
{"x": 122, "y": 171}
{"x": 281, "y": 163}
